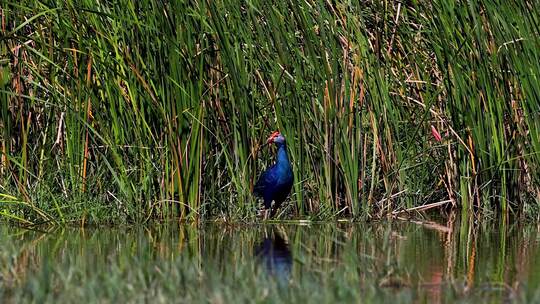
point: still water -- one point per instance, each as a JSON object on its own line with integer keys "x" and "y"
{"x": 437, "y": 261}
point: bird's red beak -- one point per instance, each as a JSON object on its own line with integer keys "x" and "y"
{"x": 271, "y": 138}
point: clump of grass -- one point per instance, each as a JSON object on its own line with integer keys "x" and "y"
{"x": 125, "y": 112}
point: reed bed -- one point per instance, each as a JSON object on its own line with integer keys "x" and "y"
{"x": 126, "y": 111}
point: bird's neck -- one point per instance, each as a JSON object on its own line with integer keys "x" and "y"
{"x": 282, "y": 158}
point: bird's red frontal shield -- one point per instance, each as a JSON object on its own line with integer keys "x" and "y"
{"x": 272, "y": 136}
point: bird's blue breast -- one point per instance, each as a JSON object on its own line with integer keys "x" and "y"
{"x": 283, "y": 166}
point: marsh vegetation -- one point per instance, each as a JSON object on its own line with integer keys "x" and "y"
{"x": 125, "y": 111}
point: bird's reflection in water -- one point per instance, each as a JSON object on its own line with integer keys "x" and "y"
{"x": 275, "y": 257}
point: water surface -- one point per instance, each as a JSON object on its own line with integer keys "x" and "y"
{"x": 393, "y": 261}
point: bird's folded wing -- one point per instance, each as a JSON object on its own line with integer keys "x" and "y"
{"x": 267, "y": 179}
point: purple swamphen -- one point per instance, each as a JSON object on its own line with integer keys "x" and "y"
{"x": 276, "y": 182}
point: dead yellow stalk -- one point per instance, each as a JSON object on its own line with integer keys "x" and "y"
{"x": 88, "y": 119}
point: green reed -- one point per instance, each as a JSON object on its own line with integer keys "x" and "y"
{"x": 131, "y": 111}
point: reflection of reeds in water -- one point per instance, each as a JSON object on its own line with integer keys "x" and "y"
{"x": 21, "y": 258}
{"x": 338, "y": 262}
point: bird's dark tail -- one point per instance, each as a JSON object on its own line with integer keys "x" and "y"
{"x": 257, "y": 192}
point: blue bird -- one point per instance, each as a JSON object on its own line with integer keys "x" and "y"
{"x": 276, "y": 182}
